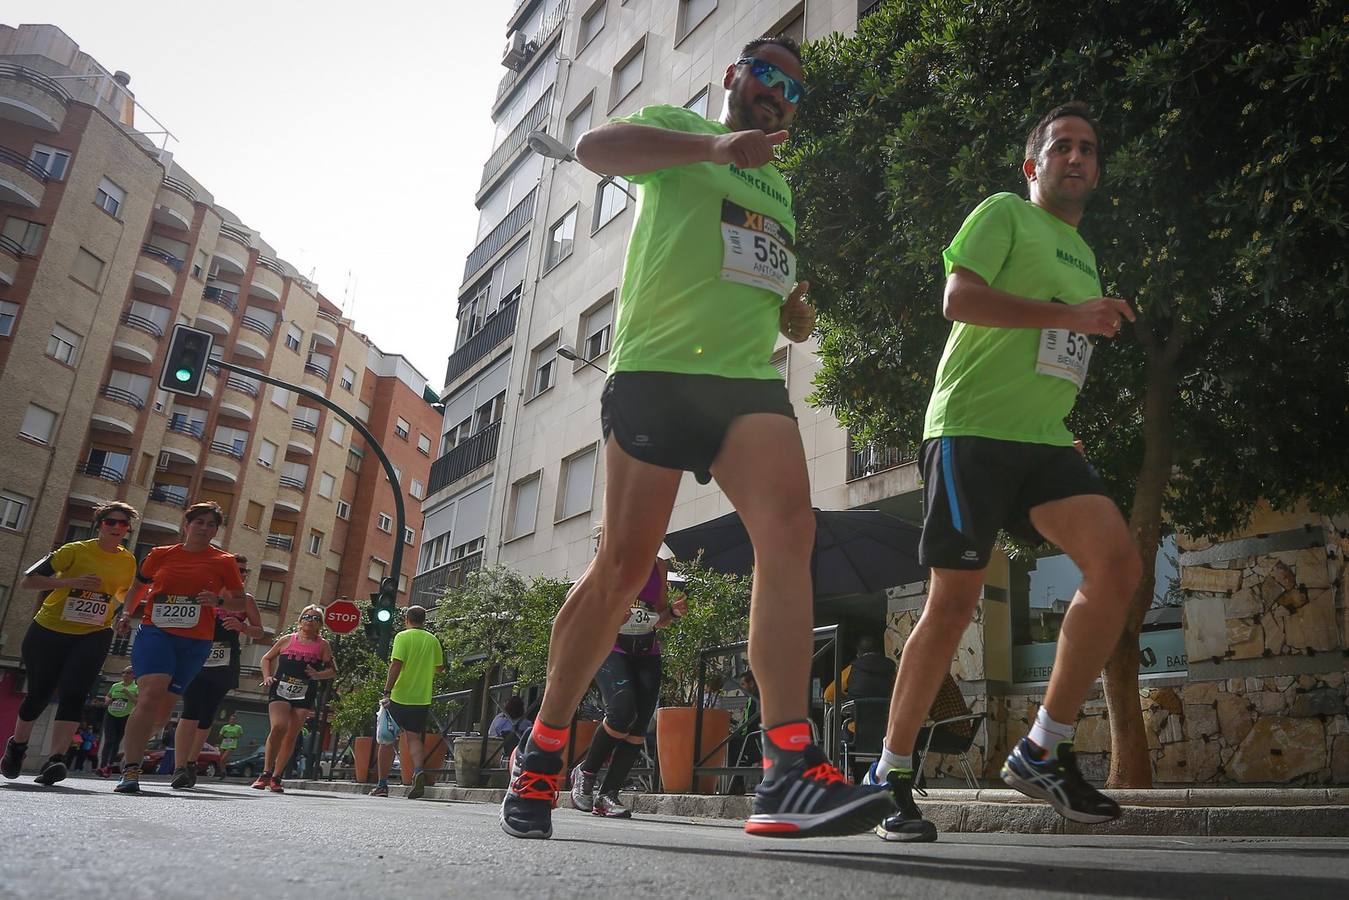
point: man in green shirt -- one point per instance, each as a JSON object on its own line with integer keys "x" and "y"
{"x": 119, "y": 703}
{"x": 416, "y": 658}
{"x": 229, "y": 741}
{"x": 1025, "y": 298}
{"x": 708, "y": 284}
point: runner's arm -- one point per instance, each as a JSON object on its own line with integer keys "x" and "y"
{"x": 622, "y": 148}
{"x": 395, "y": 667}
{"x": 265, "y": 664}
{"x": 254, "y": 627}
{"x": 970, "y": 299}
{"x": 136, "y": 597}
{"x": 41, "y": 576}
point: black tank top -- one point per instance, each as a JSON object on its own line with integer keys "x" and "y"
{"x": 292, "y": 681}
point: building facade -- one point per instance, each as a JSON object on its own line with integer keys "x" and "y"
{"x": 108, "y": 243}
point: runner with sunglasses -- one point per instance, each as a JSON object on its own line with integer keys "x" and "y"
{"x": 218, "y": 676}
{"x": 709, "y": 281}
{"x": 291, "y": 671}
{"x": 181, "y": 584}
{"x": 68, "y": 640}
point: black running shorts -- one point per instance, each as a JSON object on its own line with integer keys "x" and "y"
{"x": 410, "y": 718}
{"x": 974, "y": 487}
{"x": 679, "y": 421}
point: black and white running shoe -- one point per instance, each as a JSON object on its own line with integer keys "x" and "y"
{"x": 1057, "y": 780}
{"x": 813, "y": 799}
{"x": 907, "y": 825}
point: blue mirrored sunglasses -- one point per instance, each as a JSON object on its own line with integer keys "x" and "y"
{"x": 770, "y": 75}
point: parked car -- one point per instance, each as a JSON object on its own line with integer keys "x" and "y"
{"x": 246, "y": 766}
{"x": 208, "y": 760}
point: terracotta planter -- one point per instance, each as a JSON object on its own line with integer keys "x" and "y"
{"x": 435, "y": 756}
{"x": 674, "y": 745}
{"x": 436, "y": 751}
{"x": 360, "y": 751}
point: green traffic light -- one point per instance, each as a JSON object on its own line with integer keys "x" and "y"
{"x": 383, "y": 615}
{"x": 183, "y": 375}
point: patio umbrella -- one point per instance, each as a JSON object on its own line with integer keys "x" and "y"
{"x": 857, "y": 551}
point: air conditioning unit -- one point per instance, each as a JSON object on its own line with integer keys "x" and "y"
{"x": 517, "y": 51}
{"x": 163, "y": 460}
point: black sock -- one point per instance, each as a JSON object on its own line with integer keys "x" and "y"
{"x": 625, "y": 755}
{"x": 600, "y": 747}
{"x": 21, "y": 748}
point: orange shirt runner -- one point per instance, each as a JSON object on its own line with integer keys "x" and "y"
{"x": 177, "y": 576}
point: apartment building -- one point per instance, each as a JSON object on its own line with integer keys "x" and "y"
{"x": 108, "y": 242}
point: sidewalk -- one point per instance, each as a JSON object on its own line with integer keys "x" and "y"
{"x": 1195, "y": 812}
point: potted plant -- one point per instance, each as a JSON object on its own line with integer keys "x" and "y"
{"x": 354, "y": 713}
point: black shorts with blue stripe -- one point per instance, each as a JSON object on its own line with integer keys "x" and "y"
{"x": 975, "y": 487}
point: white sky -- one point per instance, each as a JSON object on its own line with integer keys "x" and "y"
{"x": 350, "y": 133}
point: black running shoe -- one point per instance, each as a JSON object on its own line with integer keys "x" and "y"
{"x": 11, "y": 764}
{"x": 183, "y": 777}
{"x": 1057, "y": 779}
{"x": 52, "y": 771}
{"x": 536, "y": 778}
{"x": 813, "y": 799}
{"x": 907, "y": 825}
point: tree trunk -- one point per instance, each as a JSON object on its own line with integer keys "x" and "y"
{"x": 1130, "y": 766}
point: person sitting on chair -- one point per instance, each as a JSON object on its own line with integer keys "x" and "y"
{"x": 870, "y": 676}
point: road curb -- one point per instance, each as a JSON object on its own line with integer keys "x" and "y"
{"x": 1209, "y": 812}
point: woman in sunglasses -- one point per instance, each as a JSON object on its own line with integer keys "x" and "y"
{"x": 291, "y": 671}
{"x": 68, "y": 640}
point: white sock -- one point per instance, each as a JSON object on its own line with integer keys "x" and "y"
{"x": 890, "y": 761}
{"x": 1046, "y": 733}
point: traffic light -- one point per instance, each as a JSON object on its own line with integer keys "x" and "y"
{"x": 379, "y": 625}
{"x": 185, "y": 363}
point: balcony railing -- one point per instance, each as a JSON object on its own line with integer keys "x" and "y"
{"x": 866, "y": 8}
{"x": 545, "y": 31}
{"x": 428, "y": 587}
{"x": 281, "y": 541}
{"x": 183, "y": 426}
{"x": 161, "y": 494}
{"x": 222, "y": 297}
{"x": 98, "y": 470}
{"x": 290, "y": 481}
{"x": 506, "y": 229}
{"x": 177, "y": 185}
{"x": 226, "y": 449}
{"x": 163, "y": 256}
{"x": 268, "y": 263}
{"x": 870, "y": 460}
{"x": 305, "y": 425}
{"x": 257, "y": 325}
{"x": 233, "y": 232}
{"x": 327, "y": 316}
{"x": 538, "y": 113}
{"x": 477, "y": 451}
{"x": 316, "y": 369}
{"x": 242, "y": 386}
{"x": 141, "y": 323}
{"x": 37, "y": 79}
{"x": 11, "y": 246}
{"x": 24, "y": 164}
{"x": 495, "y": 330}
{"x": 122, "y": 395}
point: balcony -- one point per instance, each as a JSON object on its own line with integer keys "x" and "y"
{"x": 32, "y": 99}
{"x": 218, "y": 312}
{"x": 291, "y": 482}
{"x": 240, "y": 398}
{"x": 102, "y": 472}
{"x": 497, "y": 238}
{"x": 116, "y": 410}
{"x": 325, "y": 328}
{"x": 535, "y": 118}
{"x": 473, "y": 453}
{"x": 182, "y": 441}
{"x": 430, "y": 586}
{"x": 222, "y": 462}
{"x": 300, "y": 443}
{"x": 137, "y": 338}
{"x": 493, "y": 332}
{"x": 11, "y": 251}
{"x": 22, "y": 181}
{"x": 267, "y": 280}
{"x": 174, "y": 204}
{"x": 276, "y": 553}
{"x": 872, "y": 460}
{"x": 166, "y": 502}
{"x": 547, "y": 28}
{"x": 156, "y": 270}
{"x": 316, "y": 373}
{"x": 247, "y": 345}
{"x": 231, "y": 250}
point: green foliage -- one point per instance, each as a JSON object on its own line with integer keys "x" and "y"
{"x": 1222, "y": 213}
{"x": 718, "y": 614}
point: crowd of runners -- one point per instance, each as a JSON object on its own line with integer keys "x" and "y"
{"x": 709, "y": 282}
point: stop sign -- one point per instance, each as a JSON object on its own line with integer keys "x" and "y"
{"x": 342, "y": 616}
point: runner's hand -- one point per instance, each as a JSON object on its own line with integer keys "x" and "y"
{"x": 679, "y": 606}
{"x": 269, "y": 681}
{"x": 746, "y": 149}
{"x": 86, "y": 583}
{"x": 1103, "y": 316}
{"x": 123, "y": 624}
{"x": 231, "y": 624}
{"x": 796, "y": 318}
{"x": 208, "y": 598}
{"x": 383, "y": 702}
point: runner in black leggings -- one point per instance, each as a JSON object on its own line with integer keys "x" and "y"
{"x": 629, "y": 681}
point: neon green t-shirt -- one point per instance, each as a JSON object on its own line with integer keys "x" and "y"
{"x": 421, "y": 654}
{"x": 229, "y": 736}
{"x": 71, "y": 611}
{"x": 676, "y": 312}
{"x": 987, "y": 384}
{"x": 122, "y": 699}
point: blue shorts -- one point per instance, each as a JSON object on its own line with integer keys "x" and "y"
{"x": 157, "y": 652}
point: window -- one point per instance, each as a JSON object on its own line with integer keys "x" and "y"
{"x": 378, "y": 569}
{"x": 88, "y": 269}
{"x": 560, "y": 239}
{"x": 326, "y": 485}
{"x": 402, "y": 584}
{"x": 489, "y": 413}
{"x": 397, "y": 474}
{"x": 611, "y": 198}
{"x": 293, "y": 335}
{"x": 699, "y": 103}
{"x": 544, "y": 363}
{"x": 596, "y": 329}
{"x": 433, "y": 553}
{"x": 316, "y": 542}
{"x": 130, "y": 385}
{"x": 230, "y": 440}
{"x": 591, "y": 23}
{"x": 457, "y": 435}
{"x": 14, "y": 510}
{"x": 189, "y": 421}
{"x": 343, "y": 509}
{"x": 578, "y": 123}
{"x": 202, "y": 265}
{"x": 337, "y": 431}
{"x": 348, "y": 378}
{"x": 385, "y": 523}
{"x": 691, "y": 15}
{"x": 524, "y": 507}
{"x": 424, "y": 444}
{"x": 38, "y": 424}
{"x": 409, "y": 537}
{"x": 281, "y": 397}
{"x": 576, "y": 484}
{"x": 63, "y": 345}
{"x": 8, "y": 313}
{"x": 779, "y": 361}
{"x": 627, "y": 74}
{"x": 267, "y": 453}
{"x": 363, "y": 412}
{"x": 354, "y": 457}
{"x": 108, "y": 463}
{"x": 28, "y": 235}
{"x": 418, "y": 489}
{"x": 50, "y": 160}
{"x": 794, "y": 26}
{"x": 402, "y": 428}
{"x": 253, "y": 515}
{"x": 109, "y": 197}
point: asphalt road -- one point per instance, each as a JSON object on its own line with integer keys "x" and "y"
{"x": 78, "y": 839}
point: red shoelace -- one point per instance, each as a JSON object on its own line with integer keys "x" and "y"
{"x": 826, "y": 773}
{"x": 537, "y": 786}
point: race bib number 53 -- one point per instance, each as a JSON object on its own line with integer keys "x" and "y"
{"x": 1064, "y": 354}
{"x": 756, "y": 250}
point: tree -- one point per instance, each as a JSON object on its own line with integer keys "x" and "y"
{"x": 718, "y": 614}
{"x": 1221, "y": 214}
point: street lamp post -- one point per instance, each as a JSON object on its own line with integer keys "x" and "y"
{"x": 566, "y": 351}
